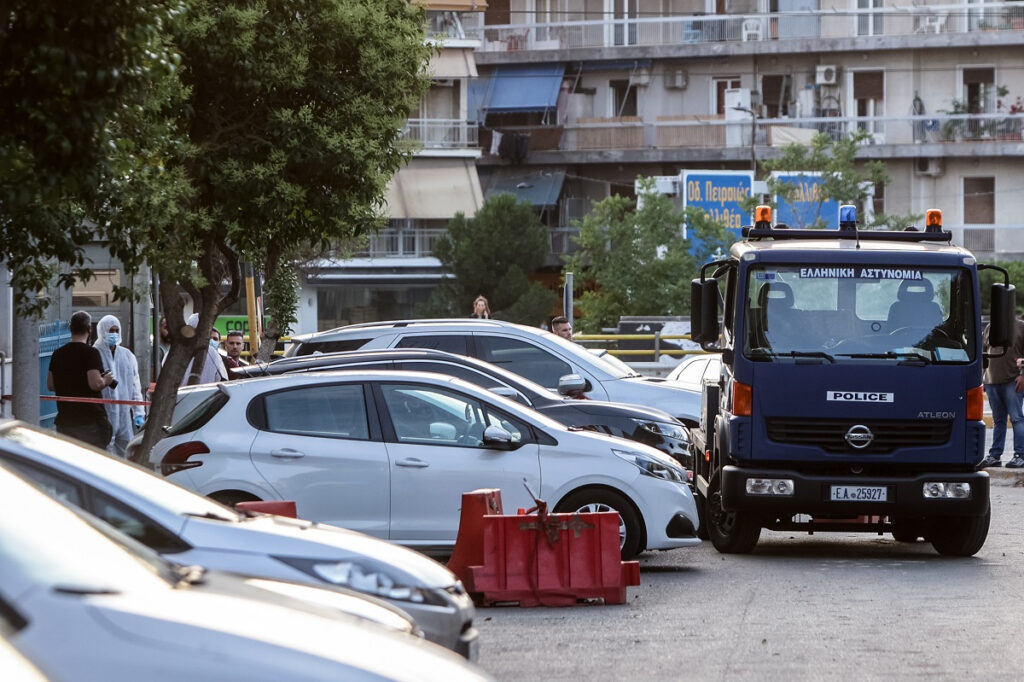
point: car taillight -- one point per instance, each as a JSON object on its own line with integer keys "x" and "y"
{"x": 176, "y": 458}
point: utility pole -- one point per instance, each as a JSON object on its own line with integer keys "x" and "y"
{"x": 753, "y": 137}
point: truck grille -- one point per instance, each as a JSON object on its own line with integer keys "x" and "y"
{"x": 830, "y": 434}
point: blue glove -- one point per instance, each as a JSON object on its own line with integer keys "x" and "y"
{"x": 140, "y": 419}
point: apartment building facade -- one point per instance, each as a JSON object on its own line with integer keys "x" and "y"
{"x": 574, "y": 99}
{"x": 657, "y": 87}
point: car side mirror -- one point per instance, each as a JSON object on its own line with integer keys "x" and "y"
{"x": 498, "y": 438}
{"x": 573, "y": 384}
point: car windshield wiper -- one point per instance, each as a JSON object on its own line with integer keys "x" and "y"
{"x": 211, "y": 515}
{"x": 188, "y": 575}
{"x": 909, "y": 358}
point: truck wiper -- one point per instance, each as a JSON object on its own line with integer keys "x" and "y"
{"x": 766, "y": 353}
{"x": 808, "y": 354}
{"x": 908, "y": 358}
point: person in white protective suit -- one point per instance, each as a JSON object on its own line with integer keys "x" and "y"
{"x": 122, "y": 364}
{"x": 213, "y": 367}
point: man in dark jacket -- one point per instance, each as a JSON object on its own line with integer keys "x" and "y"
{"x": 76, "y": 370}
{"x": 1004, "y": 386}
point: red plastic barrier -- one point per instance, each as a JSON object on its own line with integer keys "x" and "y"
{"x": 278, "y": 507}
{"x": 553, "y": 560}
{"x": 469, "y": 548}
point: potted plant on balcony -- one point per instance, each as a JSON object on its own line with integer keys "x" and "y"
{"x": 953, "y": 129}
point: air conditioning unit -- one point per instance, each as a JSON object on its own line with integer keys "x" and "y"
{"x": 929, "y": 167}
{"x": 640, "y": 77}
{"x": 663, "y": 184}
{"x": 826, "y": 74}
{"x": 677, "y": 79}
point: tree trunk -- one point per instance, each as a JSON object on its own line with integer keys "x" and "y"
{"x": 182, "y": 342}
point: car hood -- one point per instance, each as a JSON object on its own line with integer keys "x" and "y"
{"x": 677, "y": 401}
{"x": 284, "y": 537}
{"x": 602, "y": 442}
{"x": 628, "y": 410}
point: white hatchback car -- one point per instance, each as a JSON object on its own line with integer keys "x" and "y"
{"x": 190, "y": 529}
{"x": 693, "y": 370}
{"x": 390, "y": 454}
{"x": 87, "y": 604}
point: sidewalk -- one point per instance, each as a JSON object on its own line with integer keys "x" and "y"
{"x": 1002, "y": 475}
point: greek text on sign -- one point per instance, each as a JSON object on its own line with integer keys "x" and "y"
{"x": 860, "y": 396}
{"x": 860, "y": 273}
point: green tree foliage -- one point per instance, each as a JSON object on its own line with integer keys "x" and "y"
{"x": 74, "y": 78}
{"x": 843, "y": 179}
{"x": 635, "y": 261}
{"x": 987, "y": 277}
{"x": 293, "y": 124}
{"x": 493, "y": 254}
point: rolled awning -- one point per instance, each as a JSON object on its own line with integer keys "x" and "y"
{"x": 434, "y": 189}
{"x": 453, "y": 5}
{"x": 522, "y": 88}
{"x": 540, "y": 188}
{"x": 453, "y": 62}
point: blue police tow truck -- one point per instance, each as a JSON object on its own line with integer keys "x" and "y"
{"x": 851, "y": 396}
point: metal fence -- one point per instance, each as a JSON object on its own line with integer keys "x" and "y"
{"x": 52, "y": 335}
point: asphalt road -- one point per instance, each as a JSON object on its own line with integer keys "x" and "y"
{"x": 823, "y": 607}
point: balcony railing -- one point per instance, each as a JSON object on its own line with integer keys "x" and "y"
{"x": 442, "y": 133}
{"x": 578, "y": 31}
{"x": 402, "y": 243}
{"x": 455, "y": 25}
{"x": 713, "y": 132}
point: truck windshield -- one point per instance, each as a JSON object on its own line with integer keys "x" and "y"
{"x": 856, "y": 313}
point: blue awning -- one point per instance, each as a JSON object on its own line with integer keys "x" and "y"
{"x": 540, "y": 188}
{"x": 518, "y": 88}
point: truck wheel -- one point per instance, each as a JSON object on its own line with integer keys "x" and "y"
{"x": 596, "y": 500}
{"x": 730, "y": 532}
{"x": 959, "y": 535}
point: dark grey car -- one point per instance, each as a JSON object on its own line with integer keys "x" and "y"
{"x": 647, "y": 425}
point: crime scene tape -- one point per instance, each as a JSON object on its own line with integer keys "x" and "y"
{"x": 102, "y": 401}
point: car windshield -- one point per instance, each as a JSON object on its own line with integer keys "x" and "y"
{"x": 859, "y": 313}
{"x": 119, "y": 473}
{"x": 51, "y": 545}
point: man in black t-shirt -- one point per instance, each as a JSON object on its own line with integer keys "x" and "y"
{"x": 76, "y": 370}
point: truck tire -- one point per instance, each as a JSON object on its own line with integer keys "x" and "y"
{"x": 599, "y": 500}
{"x": 907, "y": 529}
{"x": 730, "y": 532}
{"x": 959, "y": 535}
{"x": 702, "y": 515}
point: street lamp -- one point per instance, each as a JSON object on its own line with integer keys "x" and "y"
{"x": 753, "y": 135}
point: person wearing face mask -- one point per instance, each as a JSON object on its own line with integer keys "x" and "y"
{"x": 213, "y": 367}
{"x": 124, "y": 369}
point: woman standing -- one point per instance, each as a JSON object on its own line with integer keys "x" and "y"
{"x": 481, "y": 309}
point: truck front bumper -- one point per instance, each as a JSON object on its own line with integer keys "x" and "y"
{"x": 812, "y": 494}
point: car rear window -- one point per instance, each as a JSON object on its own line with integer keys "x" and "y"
{"x": 310, "y": 347}
{"x": 200, "y": 414}
{"x": 452, "y": 343}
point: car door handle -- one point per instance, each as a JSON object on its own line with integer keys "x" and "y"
{"x": 287, "y": 453}
{"x": 412, "y": 462}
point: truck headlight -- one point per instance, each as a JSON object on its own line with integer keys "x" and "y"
{"x": 375, "y": 580}
{"x": 651, "y": 466}
{"x": 957, "y": 490}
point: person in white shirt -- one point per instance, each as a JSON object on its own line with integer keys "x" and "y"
{"x": 213, "y": 367}
{"x": 126, "y": 385}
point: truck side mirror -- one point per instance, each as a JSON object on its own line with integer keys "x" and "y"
{"x": 704, "y": 311}
{"x": 695, "y": 308}
{"x": 1004, "y": 306}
